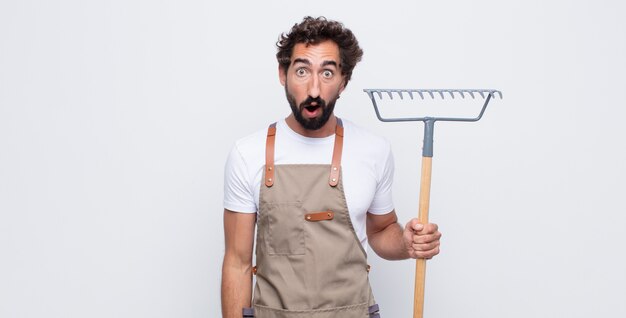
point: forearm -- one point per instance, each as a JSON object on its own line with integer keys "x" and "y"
{"x": 388, "y": 243}
{"x": 237, "y": 266}
{"x": 236, "y": 287}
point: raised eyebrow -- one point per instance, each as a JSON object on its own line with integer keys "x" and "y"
{"x": 301, "y": 60}
{"x": 326, "y": 63}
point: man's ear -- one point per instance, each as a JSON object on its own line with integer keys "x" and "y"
{"x": 343, "y": 84}
{"x": 282, "y": 75}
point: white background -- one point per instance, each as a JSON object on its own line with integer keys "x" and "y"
{"x": 116, "y": 118}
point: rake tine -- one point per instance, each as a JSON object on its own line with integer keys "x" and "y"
{"x": 432, "y": 92}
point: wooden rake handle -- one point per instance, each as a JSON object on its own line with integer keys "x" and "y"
{"x": 427, "y": 168}
{"x": 420, "y": 263}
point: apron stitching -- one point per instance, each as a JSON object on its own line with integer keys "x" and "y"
{"x": 296, "y": 311}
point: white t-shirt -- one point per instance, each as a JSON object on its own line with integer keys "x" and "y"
{"x": 366, "y": 163}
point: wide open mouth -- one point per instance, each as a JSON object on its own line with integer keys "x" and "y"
{"x": 312, "y": 108}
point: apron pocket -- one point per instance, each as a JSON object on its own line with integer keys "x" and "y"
{"x": 285, "y": 231}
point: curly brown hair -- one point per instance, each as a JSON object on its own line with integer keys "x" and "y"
{"x": 315, "y": 30}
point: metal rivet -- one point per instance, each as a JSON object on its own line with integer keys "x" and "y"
{"x": 308, "y": 217}
{"x": 328, "y": 214}
{"x": 334, "y": 179}
{"x": 270, "y": 179}
{"x": 335, "y": 168}
{"x": 269, "y": 168}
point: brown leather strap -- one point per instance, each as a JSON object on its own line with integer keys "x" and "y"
{"x": 335, "y": 166}
{"x": 269, "y": 155}
{"x": 319, "y": 216}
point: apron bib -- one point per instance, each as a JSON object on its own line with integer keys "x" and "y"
{"x": 310, "y": 262}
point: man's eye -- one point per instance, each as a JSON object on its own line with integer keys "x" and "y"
{"x": 300, "y": 72}
{"x": 327, "y": 74}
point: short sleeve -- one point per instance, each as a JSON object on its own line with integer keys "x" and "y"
{"x": 238, "y": 193}
{"x": 383, "y": 200}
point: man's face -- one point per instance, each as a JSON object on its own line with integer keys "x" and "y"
{"x": 313, "y": 83}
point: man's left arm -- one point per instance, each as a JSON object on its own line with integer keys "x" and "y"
{"x": 393, "y": 242}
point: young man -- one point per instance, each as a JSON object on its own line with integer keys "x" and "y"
{"x": 319, "y": 189}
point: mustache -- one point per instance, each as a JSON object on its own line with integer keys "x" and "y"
{"x": 310, "y": 100}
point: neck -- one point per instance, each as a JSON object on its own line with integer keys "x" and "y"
{"x": 327, "y": 130}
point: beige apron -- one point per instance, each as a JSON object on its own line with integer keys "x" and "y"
{"x": 310, "y": 262}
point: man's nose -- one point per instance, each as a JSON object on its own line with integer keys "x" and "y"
{"x": 314, "y": 87}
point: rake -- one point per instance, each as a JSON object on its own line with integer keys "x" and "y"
{"x": 427, "y": 154}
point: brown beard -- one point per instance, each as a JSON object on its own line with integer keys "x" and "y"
{"x": 312, "y": 123}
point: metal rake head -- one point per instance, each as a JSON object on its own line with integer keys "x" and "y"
{"x": 486, "y": 94}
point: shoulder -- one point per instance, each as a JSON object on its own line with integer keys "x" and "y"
{"x": 364, "y": 141}
{"x": 251, "y": 146}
